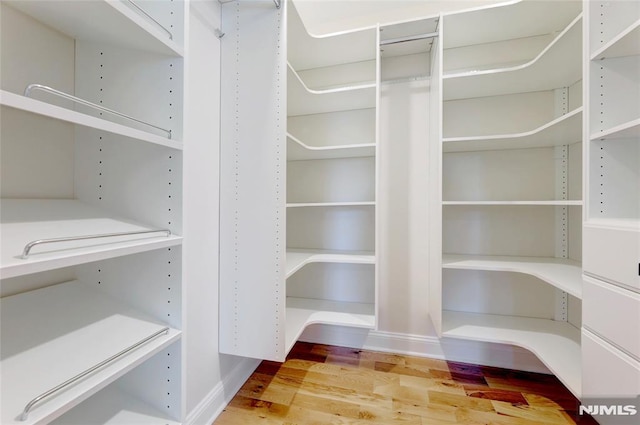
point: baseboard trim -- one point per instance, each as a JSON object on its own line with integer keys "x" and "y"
{"x": 214, "y": 403}
{"x": 457, "y": 350}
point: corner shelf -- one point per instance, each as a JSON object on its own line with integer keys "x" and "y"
{"x": 562, "y": 273}
{"x": 330, "y": 204}
{"x": 556, "y": 344}
{"x": 298, "y": 151}
{"x": 38, "y": 107}
{"x": 563, "y": 130}
{"x": 302, "y": 100}
{"x": 113, "y": 407}
{"x": 558, "y": 65}
{"x": 297, "y": 259}
{"x": 302, "y": 312}
{"x": 26, "y": 220}
{"x": 109, "y": 22}
{"x": 64, "y": 330}
{"x": 626, "y": 130}
{"x": 624, "y": 44}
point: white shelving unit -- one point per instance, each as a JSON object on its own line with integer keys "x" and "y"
{"x": 612, "y": 217}
{"x": 48, "y": 348}
{"x": 556, "y": 344}
{"x": 92, "y": 151}
{"x": 297, "y": 259}
{"x": 331, "y": 204}
{"x": 512, "y": 181}
{"x": 299, "y": 151}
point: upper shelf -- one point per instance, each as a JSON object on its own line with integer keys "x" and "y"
{"x": 331, "y": 204}
{"x": 309, "y": 52}
{"x": 298, "y": 151}
{"x": 627, "y": 43}
{"x": 54, "y": 334}
{"x": 629, "y": 129}
{"x": 27, "y": 220}
{"x": 297, "y": 259}
{"x": 560, "y": 203}
{"x": 558, "y": 65}
{"x": 564, "y": 130}
{"x": 561, "y": 273}
{"x": 304, "y": 101}
{"x": 105, "y": 21}
{"x": 556, "y": 344}
{"x": 38, "y": 107}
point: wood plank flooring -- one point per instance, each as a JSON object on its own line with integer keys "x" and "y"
{"x": 326, "y": 385}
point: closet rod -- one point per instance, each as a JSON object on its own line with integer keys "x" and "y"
{"x": 30, "y": 245}
{"x": 31, "y": 87}
{"x": 25, "y": 413}
{"x": 408, "y": 38}
{"x": 141, "y": 10}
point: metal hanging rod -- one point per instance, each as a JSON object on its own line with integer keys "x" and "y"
{"x": 276, "y": 2}
{"x": 408, "y": 38}
{"x": 32, "y": 87}
{"x": 25, "y": 413}
{"x": 141, "y": 10}
{"x": 30, "y": 245}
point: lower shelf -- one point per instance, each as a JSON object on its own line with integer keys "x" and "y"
{"x": 557, "y": 344}
{"x": 297, "y": 259}
{"x": 302, "y": 312}
{"x": 50, "y": 335}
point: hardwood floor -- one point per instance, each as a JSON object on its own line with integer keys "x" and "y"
{"x": 320, "y": 384}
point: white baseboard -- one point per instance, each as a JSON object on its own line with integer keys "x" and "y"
{"x": 212, "y": 405}
{"x": 457, "y": 350}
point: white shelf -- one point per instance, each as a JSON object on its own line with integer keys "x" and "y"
{"x": 330, "y": 204}
{"x": 26, "y": 220}
{"x": 549, "y": 203}
{"x": 113, "y": 407}
{"x": 298, "y": 151}
{"x": 564, "y": 130}
{"x": 558, "y": 65}
{"x": 629, "y": 129}
{"x": 627, "y": 43}
{"x": 556, "y": 344}
{"x": 612, "y": 223}
{"x": 104, "y": 21}
{"x": 302, "y": 312}
{"x": 561, "y": 273}
{"x": 297, "y": 259}
{"x": 53, "y": 334}
{"x": 38, "y": 107}
{"x": 302, "y": 100}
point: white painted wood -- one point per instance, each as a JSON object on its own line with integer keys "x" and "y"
{"x": 549, "y": 203}
{"x": 253, "y": 179}
{"x": 620, "y": 265}
{"x": 620, "y": 329}
{"x": 24, "y": 221}
{"x": 304, "y": 101}
{"x": 557, "y": 344}
{"x": 561, "y": 273}
{"x": 355, "y": 127}
{"x": 330, "y": 204}
{"x": 630, "y": 129}
{"x": 611, "y": 22}
{"x": 302, "y": 312}
{"x": 52, "y": 111}
{"x": 607, "y": 372}
{"x": 336, "y": 76}
{"x": 111, "y": 406}
{"x": 624, "y": 44}
{"x": 71, "y": 328}
{"x": 564, "y": 130}
{"x": 112, "y": 22}
{"x": 297, "y": 259}
{"x": 297, "y": 150}
{"x": 340, "y": 180}
{"x": 558, "y": 65}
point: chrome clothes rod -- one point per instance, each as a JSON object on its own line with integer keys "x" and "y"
{"x": 409, "y": 38}
{"x": 141, "y": 10}
{"x": 32, "y": 87}
{"x": 30, "y": 245}
{"x": 25, "y": 413}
